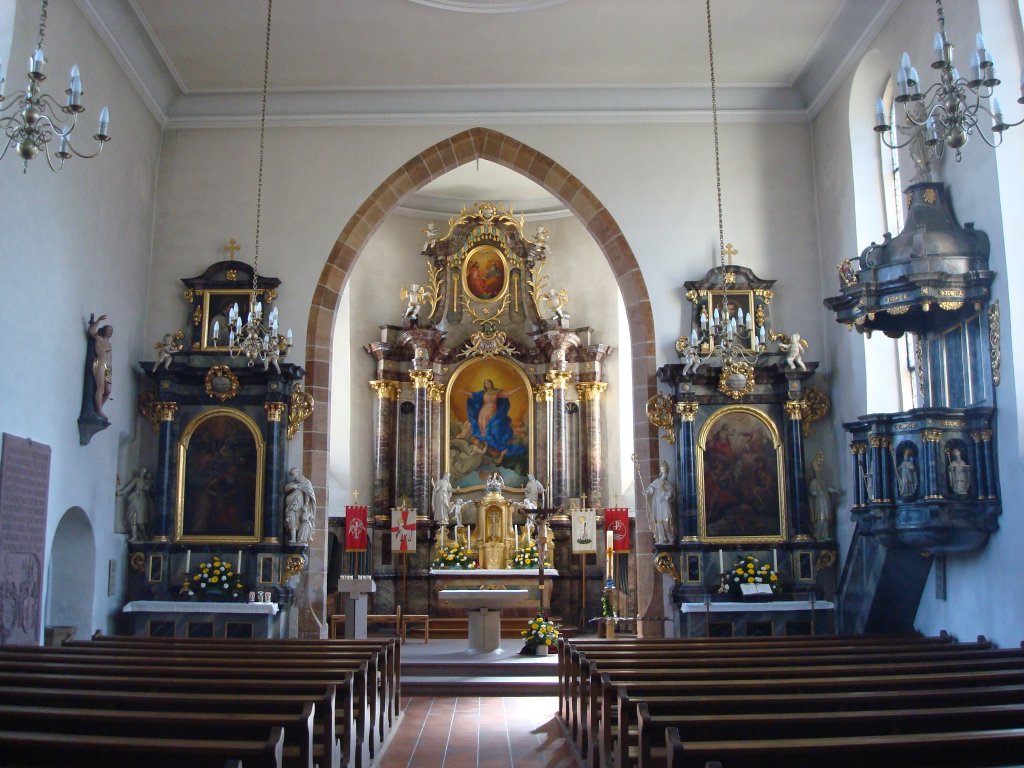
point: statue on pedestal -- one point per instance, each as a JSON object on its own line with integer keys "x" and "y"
{"x": 299, "y": 507}
{"x": 137, "y": 504}
{"x": 662, "y": 493}
{"x": 441, "y": 499}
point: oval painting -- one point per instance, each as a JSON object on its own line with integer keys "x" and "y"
{"x": 484, "y": 273}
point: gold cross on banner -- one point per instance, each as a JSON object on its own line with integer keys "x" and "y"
{"x": 232, "y": 248}
{"x": 730, "y": 251}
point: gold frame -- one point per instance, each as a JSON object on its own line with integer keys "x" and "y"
{"x": 205, "y": 345}
{"x": 155, "y": 571}
{"x": 780, "y": 472}
{"x": 714, "y": 300}
{"x": 470, "y": 295}
{"x": 447, "y": 417}
{"x": 179, "y": 507}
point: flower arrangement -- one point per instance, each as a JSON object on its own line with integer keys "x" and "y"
{"x": 747, "y": 571}
{"x": 541, "y": 631}
{"x": 527, "y": 558}
{"x": 455, "y": 557}
{"x": 213, "y": 579}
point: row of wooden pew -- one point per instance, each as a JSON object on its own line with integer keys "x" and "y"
{"x": 826, "y": 700}
{"x": 120, "y": 701}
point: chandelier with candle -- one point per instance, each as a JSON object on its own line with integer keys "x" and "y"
{"x": 952, "y": 110}
{"x": 32, "y": 119}
{"x": 258, "y": 339}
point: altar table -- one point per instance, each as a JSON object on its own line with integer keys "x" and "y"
{"x": 484, "y": 612}
{"x": 184, "y": 618}
{"x": 757, "y": 619}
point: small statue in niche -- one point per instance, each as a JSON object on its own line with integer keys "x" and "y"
{"x": 906, "y": 475}
{"x": 441, "y": 499}
{"x": 794, "y": 349}
{"x": 137, "y": 503}
{"x": 533, "y": 493}
{"x": 414, "y": 296}
{"x": 822, "y": 513}
{"x": 867, "y": 472}
{"x": 166, "y": 349}
{"x": 662, "y": 493}
{"x": 299, "y": 507}
{"x": 556, "y": 301}
{"x": 100, "y": 360}
{"x": 959, "y": 473}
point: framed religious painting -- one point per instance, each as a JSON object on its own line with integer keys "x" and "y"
{"x": 485, "y": 274}
{"x": 490, "y": 424}
{"x": 220, "y": 479}
{"x": 734, "y": 305}
{"x": 741, "y": 493}
{"x": 218, "y": 306}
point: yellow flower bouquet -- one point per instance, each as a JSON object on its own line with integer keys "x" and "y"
{"x": 540, "y": 632}
{"x": 748, "y": 570}
{"x": 213, "y": 580}
{"x": 455, "y": 557}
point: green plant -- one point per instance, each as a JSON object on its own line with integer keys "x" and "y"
{"x": 215, "y": 578}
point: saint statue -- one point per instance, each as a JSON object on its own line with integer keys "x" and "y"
{"x": 906, "y": 475}
{"x": 441, "y": 499}
{"x": 137, "y": 505}
{"x": 662, "y": 493}
{"x": 299, "y": 507}
{"x": 959, "y": 474}
{"x": 822, "y": 514}
{"x": 534, "y": 493}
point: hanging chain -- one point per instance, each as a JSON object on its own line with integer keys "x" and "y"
{"x": 714, "y": 121}
{"x": 42, "y": 24}
{"x": 263, "y": 125}
{"x": 942, "y": 19}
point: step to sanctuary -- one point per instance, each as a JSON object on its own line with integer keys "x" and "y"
{"x": 447, "y": 668}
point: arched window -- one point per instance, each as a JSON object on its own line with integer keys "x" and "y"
{"x": 889, "y": 160}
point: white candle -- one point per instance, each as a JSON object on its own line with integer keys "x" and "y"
{"x": 469, "y": 537}
{"x": 188, "y": 560}
{"x": 609, "y": 538}
{"x": 516, "y": 529}
{"x": 775, "y": 560}
{"x": 721, "y": 562}
{"x": 238, "y": 563}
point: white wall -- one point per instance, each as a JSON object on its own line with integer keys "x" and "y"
{"x": 77, "y": 243}
{"x": 985, "y": 189}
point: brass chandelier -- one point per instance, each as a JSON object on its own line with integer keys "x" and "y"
{"x": 952, "y": 110}
{"x": 32, "y": 119}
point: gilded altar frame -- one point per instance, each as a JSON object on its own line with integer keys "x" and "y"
{"x": 220, "y": 471}
{"x": 741, "y": 478}
{"x": 504, "y": 374}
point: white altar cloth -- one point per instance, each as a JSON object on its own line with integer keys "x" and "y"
{"x": 772, "y": 605}
{"x": 189, "y": 606}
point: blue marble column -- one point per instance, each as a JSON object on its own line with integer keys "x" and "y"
{"x": 796, "y": 483}
{"x": 686, "y": 471}
{"x": 274, "y": 478}
{"x": 932, "y": 476}
{"x": 164, "y": 493}
{"x": 856, "y": 451}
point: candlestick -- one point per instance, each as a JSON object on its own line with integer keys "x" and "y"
{"x": 238, "y": 563}
{"x": 775, "y": 560}
{"x": 721, "y": 562}
{"x": 188, "y": 560}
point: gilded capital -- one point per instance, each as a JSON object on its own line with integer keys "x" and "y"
{"x": 687, "y": 409}
{"x": 857, "y": 447}
{"x": 558, "y": 379}
{"x": 878, "y": 441}
{"x": 794, "y": 409}
{"x": 274, "y": 411}
{"x": 984, "y": 436}
{"x": 166, "y": 411}
{"x": 932, "y": 435}
{"x": 591, "y": 390}
{"x": 435, "y": 392}
{"x": 542, "y": 393}
{"x": 386, "y": 389}
{"x": 421, "y": 379}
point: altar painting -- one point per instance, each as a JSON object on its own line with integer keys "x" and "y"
{"x": 484, "y": 273}
{"x": 217, "y": 306}
{"x": 741, "y": 480}
{"x": 220, "y": 479}
{"x": 490, "y": 424}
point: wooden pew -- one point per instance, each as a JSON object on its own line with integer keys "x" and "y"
{"x": 932, "y": 750}
{"x": 57, "y": 717}
{"x": 44, "y": 750}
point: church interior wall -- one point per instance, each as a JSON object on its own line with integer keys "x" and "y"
{"x": 74, "y": 244}
{"x": 977, "y": 599}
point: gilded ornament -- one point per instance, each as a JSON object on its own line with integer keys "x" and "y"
{"x": 542, "y": 393}
{"x": 435, "y": 392}
{"x": 300, "y": 408}
{"x": 730, "y": 277}
{"x": 421, "y": 379}
{"x": 386, "y": 389}
{"x": 659, "y": 414}
{"x": 953, "y": 293}
{"x": 591, "y": 391}
{"x": 166, "y": 411}
{"x": 231, "y": 274}
{"x": 197, "y": 315}
{"x": 537, "y": 284}
{"x": 292, "y": 567}
{"x": 878, "y": 441}
{"x": 488, "y": 342}
{"x": 231, "y": 249}
{"x": 147, "y": 408}
{"x": 221, "y": 383}
{"x": 269, "y": 294}
{"x": 932, "y": 435}
{"x": 898, "y": 310}
{"x": 665, "y": 565}
{"x": 558, "y": 379}
{"x": 826, "y": 559}
{"x": 909, "y": 202}
{"x": 794, "y": 409}
{"x": 274, "y": 411}
{"x": 930, "y": 196}
{"x": 995, "y": 353}
{"x": 692, "y": 296}
{"x": 687, "y": 409}
{"x": 950, "y": 306}
{"x": 138, "y": 562}
{"x": 189, "y": 295}
{"x": 736, "y": 380}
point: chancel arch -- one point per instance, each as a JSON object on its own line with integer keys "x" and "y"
{"x": 430, "y": 164}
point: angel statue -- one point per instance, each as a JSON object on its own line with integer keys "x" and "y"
{"x": 166, "y": 348}
{"x": 539, "y": 247}
{"x": 794, "y": 349}
{"x": 415, "y": 295}
{"x": 556, "y": 300}
{"x": 691, "y": 361}
{"x": 431, "y": 232}
{"x": 299, "y": 507}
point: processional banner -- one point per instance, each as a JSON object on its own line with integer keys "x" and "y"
{"x": 403, "y": 531}
{"x": 616, "y": 520}
{"x": 355, "y": 529}
{"x": 584, "y": 528}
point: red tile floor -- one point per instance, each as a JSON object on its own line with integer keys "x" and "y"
{"x": 479, "y": 732}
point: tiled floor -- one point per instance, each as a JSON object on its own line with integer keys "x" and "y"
{"x": 479, "y": 732}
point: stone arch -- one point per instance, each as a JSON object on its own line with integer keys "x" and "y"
{"x": 435, "y": 161}
{"x": 72, "y": 574}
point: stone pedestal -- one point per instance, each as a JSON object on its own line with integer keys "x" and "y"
{"x": 483, "y": 608}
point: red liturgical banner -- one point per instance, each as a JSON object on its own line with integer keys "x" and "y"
{"x": 616, "y": 520}
{"x": 355, "y": 529}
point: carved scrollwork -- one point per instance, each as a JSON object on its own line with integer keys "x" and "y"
{"x": 736, "y": 380}
{"x": 816, "y": 407}
{"x": 659, "y": 413}
{"x": 221, "y": 383}
{"x": 300, "y": 408}
{"x": 664, "y": 564}
{"x": 994, "y": 351}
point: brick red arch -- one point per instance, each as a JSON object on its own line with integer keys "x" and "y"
{"x": 429, "y": 164}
